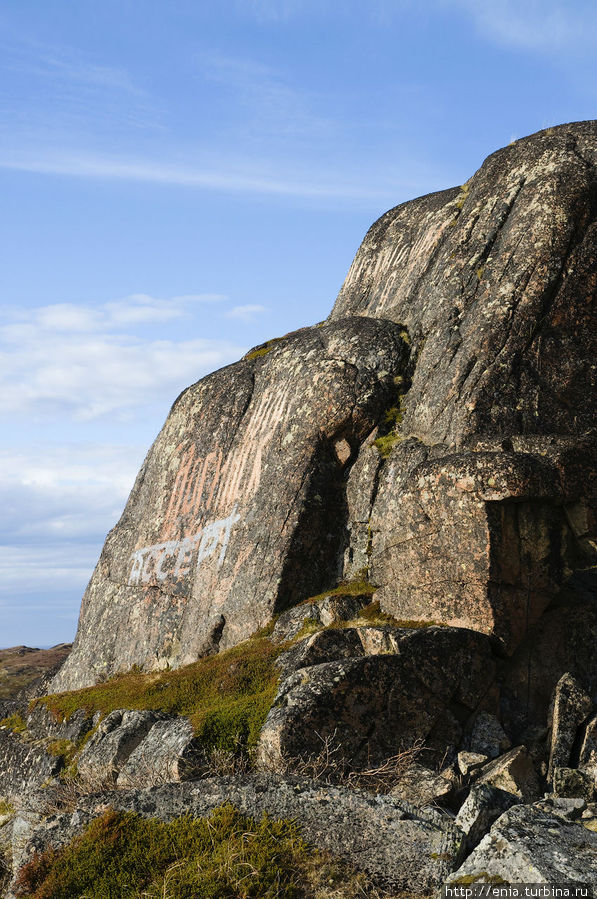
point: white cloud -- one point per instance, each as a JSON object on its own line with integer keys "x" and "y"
{"x": 72, "y": 492}
{"x": 246, "y": 313}
{"x": 88, "y": 165}
{"x": 83, "y": 362}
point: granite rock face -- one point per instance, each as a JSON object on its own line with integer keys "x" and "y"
{"x": 25, "y": 764}
{"x": 237, "y": 512}
{"x": 437, "y": 435}
{"x": 486, "y": 500}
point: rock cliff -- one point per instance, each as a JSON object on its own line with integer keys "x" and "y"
{"x": 436, "y": 435}
{"x": 357, "y": 574}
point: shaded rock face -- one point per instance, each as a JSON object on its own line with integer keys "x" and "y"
{"x": 437, "y": 433}
{"x": 238, "y": 509}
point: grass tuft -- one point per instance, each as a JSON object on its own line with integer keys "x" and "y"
{"x": 360, "y": 586}
{"x": 263, "y": 349}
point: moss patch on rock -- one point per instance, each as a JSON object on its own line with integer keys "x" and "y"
{"x": 225, "y": 856}
{"x": 227, "y": 696}
{"x": 15, "y": 723}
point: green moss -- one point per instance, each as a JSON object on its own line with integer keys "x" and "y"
{"x": 65, "y": 750}
{"x": 460, "y": 201}
{"x": 358, "y": 586}
{"x": 263, "y": 349}
{"x": 481, "y": 877}
{"x": 390, "y": 428}
{"x": 6, "y": 808}
{"x": 15, "y": 723}
{"x": 227, "y": 696}
{"x": 225, "y": 856}
{"x": 480, "y": 271}
{"x": 373, "y": 614}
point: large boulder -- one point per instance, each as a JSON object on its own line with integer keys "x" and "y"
{"x": 530, "y": 844}
{"x": 485, "y": 500}
{"x": 436, "y": 435}
{"x": 374, "y": 707}
{"x": 239, "y": 510}
{"x": 25, "y": 764}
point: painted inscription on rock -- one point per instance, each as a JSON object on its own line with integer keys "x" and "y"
{"x": 174, "y": 558}
{"x": 212, "y": 483}
{"x": 209, "y": 484}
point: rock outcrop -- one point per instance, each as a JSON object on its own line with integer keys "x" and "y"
{"x": 237, "y": 512}
{"x": 438, "y": 433}
{"x": 402, "y": 501}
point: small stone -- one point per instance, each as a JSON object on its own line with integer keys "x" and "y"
{"x": 116, "y": 738}
{"x": 528, "y": 844}
{"x": 420, "y": 786}
{"x": 470, "y": 761}
{"x": 513, "y": 772}
{"x": 483, "y": 805}
{"x": 588, "y": 751}
{"x": 169, "y": 753}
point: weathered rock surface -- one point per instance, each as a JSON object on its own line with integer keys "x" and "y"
{"x": 588, "y": 749}
{"x": 488, "y": 737}
{"x": 116, "y": 738}
{"x": 25, "y": 764}
{"x": 421, "y": 787}
{"x": 572, "y": 783}
{"x": 571, "y": 706}
{"x": 326, "y": 611}
{"x": 388, "y": 838}
{"x": 529, "y": 844}
{"x": 42, "y": 724}
{"x": 468, "y": 762}
{"x": 561, "y": 642}
{"x": 244, "y": 483}
{"x": 475, "y": 517}
{"x": 374, "y": 707}
{"x": 168, "y": 753}
{"x": 514, "y": 773}
{"x": 464, "y": 338}
{"x": 342, "y": 643}
{"x": 483, "y": 805}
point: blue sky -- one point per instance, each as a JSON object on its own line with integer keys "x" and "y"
{"x": 183, "y": 180}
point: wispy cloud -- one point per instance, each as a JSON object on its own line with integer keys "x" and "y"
{"x": 544, "y": 25}
{"x": 83, "y": 363}
{"x": 92, "y": 166}
{"x": 246, "y": 313}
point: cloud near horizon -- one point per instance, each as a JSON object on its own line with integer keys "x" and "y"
{"x": 89, "y": 362}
